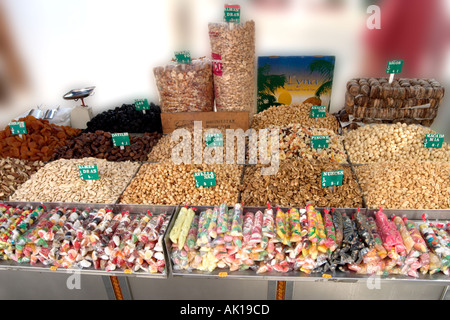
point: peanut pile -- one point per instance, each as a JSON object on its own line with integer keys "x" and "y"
{"x": 170, "y": 184}
{"x": 405, "y": 185}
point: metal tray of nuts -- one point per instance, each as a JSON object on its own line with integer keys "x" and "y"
{"x": 338, "y": 276}
{"x": 132, "y": 209}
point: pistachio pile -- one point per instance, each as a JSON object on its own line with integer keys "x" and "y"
{"x": 14, "y": 172}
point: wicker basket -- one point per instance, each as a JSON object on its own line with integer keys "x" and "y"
{"x": 374, "y": 100}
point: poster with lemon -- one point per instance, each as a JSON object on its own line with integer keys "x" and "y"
{"x": 294, "y": 80}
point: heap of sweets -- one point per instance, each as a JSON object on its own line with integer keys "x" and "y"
{"x": 71, "y": 238}
{"x": 15, "y": 221}
{"x": 295, "y": 142}
{"x": 437, "y": 240}
{"x": 40, "y": 142}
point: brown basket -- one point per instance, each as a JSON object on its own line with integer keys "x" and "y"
{"x": 374, "y": 100}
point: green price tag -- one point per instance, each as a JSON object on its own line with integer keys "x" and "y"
{"x": 18, "y": 127}
{"x": 120, "y": 139}
{"x": 141, "y": 104}
{"x": 318, "y": 111}
{"x": 232, "y": 13}
{"x": 183, "y": 57}
{"x": 332, "y": 178}
{"x": 433, "y": 141}
{"x": 320, "y": 142}
{"x": 394, "y": 66}
{"x": 214, "y": 140}
{"x": 205, "y": 179}
{"x": 88, "y": 172}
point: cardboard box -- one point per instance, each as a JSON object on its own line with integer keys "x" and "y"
{"x": 294, "y": 80}
{"x": 228, "y": 120}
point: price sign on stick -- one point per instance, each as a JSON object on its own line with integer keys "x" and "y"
{"x": 320, "y": 142}
{"x": 18, "y": 128}
{"x": 332, "y": 178}
{"x": 120, "y": 139}
{"x": 88, "y": 172}
{"x": 232, "y": 13}
{"x": 434, "y": 141}
{"x": 393, "y": 67}
{"x": 318, "y": 111}
{"x": 214, "y": 140}
{"x": 141, "y": 105}
{"x": 205, "y": 179}
{"x": 183, "y": 57}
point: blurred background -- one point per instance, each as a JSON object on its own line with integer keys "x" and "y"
{"x": 48, "y": 47}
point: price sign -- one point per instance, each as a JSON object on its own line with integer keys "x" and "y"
{"x": 318, "y": 111}
{"x": 433, "y": 141}
{"x": 205, "y": 179}
{"x": 214, "y": 140}
{"x": 183, "y": 57}
{"x": 394, "y": 66}
{"x": 88, "y": 172}
{"x": 18, "y": 127}
{"x": 320, "y": 142}
{"x": 232, "y": 13}
{"x": 332, "y": 178}
{"x": 120, "y": 139}
{"x": 141, "y": 104}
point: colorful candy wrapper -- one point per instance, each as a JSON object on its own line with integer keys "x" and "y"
{"x": 236, "y": 225}
{"x": 363, "y": 229}
{"x": 205, "y": 220}
{"x": 320, "y": 231}
{"x": 330, "y": 231}
{"x": 294, "y": 225}
{"x": 176, "y": 229}
{"x": 313, "y": 235}
{"x": 222, "y": 220}
{"x": 256, "y": 233}
{"x": 381, "y": 251}
{"x": 419, "y": 242}
{"x": 185, "y": 227}
{"x": 268, "y": 229}
{"x": 212, "y": 228}
{"x": 247, "y": 227}
{"x": 192, "y": 234}
{"x": 408, "y": 242}
{"x": 280, "y": 221}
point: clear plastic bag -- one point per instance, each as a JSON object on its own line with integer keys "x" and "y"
{"x": 185, "y": 87}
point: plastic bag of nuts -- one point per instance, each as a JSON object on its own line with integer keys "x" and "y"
{"x": 185, "y": 87}
{"x": 233, "y": 53}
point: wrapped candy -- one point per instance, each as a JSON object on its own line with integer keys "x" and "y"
{"x": 256, "y": 233}
{"x": 313, "y": 234}
{"x": 363, "y": 229}
{"x": 294, "y": 225}
{"x": 406, "y": 237}
{"x": 205, "y": 220}
{"x": 378, "y": 242}
{"x": 339, "y": 227}
{"x": 175, "y": 232}
{"x": 419, "y": 243}
{"x": 282, "y": 230}
{"x": 192, "y": 234}
{"x": 330, "y": 231}
{"x": 268, "y": 230}
{"x": 388, "y": 234}
{"x": 247, "y": 227}
{"x": 185, "y": 227}
{"x": 212, "y": 228}
{"x": 236, "y": 225}
{"x": 222, "y": 220}
{"x": 321, "y": 232}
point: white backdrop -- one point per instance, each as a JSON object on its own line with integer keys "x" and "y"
{"x": 114, "y": 44}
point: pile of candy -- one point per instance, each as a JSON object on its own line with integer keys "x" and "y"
{"x": 72, "y": 238}
{"x": 306, "y": 240}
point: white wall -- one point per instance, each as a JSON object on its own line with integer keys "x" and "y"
{"x": 114, "y": 44}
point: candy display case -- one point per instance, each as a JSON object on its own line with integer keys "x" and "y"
{"x": 200, "y": 270}
{"x": 96, "y": 242}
